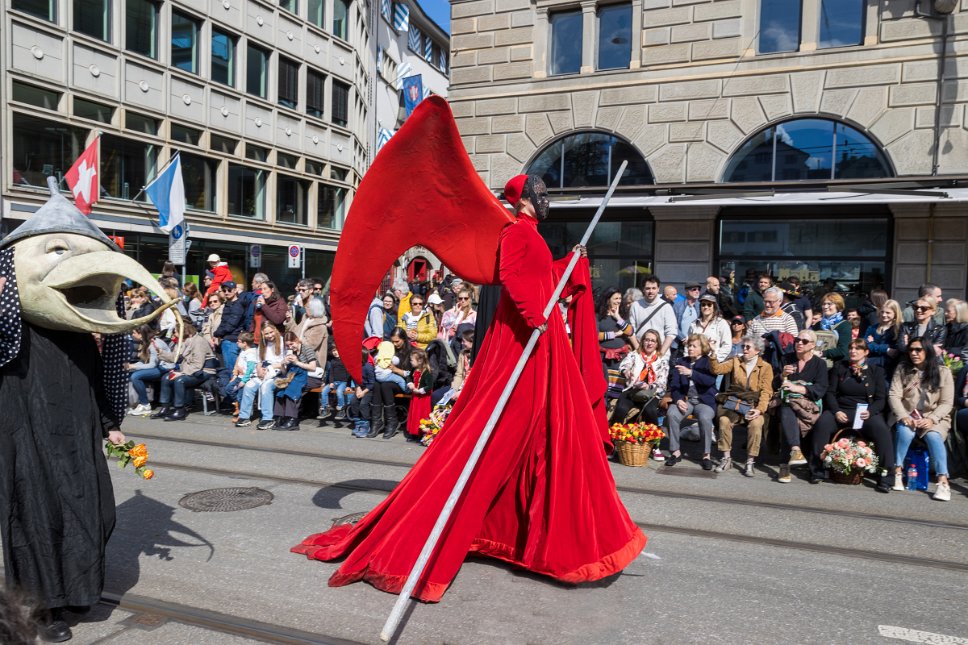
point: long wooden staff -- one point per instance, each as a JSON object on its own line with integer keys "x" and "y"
{"x": 394, "y": 619}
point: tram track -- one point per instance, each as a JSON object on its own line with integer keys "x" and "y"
{"x": 631, "y": 490}
{"x": 649, "y": 527}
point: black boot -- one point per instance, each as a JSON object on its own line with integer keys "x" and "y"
{"x": 376, "y": 421}
{"x": 162, "y": 412}
{"x": 177, "y": 414}
{"x": 393, "y": 424}
{"x": 52, "y": 627}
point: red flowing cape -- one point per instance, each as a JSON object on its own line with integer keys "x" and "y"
{"x": 542, "y": 496}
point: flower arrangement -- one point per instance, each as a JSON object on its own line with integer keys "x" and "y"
{"x": 432, "y": 425}
{"x": 846, "y": 456}
{"x": 640, "y": 433}
{"x": 953, "y": 362}
{"x": 129, "y": 453}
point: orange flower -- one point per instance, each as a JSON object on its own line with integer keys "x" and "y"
{"x": 139, "y": 461}
{"x": 148, "y": 473}
{"x": 139, "y": 451}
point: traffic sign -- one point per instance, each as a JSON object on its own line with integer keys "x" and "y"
{"x": 295, "y": 256}
{"x": 255, "y": 256}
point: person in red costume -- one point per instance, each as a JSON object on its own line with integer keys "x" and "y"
{"x": 542, "y": 496}
{"x": 221, "y": 272}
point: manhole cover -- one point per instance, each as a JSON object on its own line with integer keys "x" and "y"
{"x": 352, "y": 518}
{"x": 218, "y": 500}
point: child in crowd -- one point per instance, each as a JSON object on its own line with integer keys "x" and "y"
{"x": 244, "y": 366}
{"x": 420, "y": 388}
{"x": 386, "y": 357}
{"x": 336, "y": 378}
{"x": 359, "y": 405}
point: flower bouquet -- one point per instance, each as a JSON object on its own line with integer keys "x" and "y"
{"x": 848, "y": 460}
{"x": 129, "y": 453}
{"x": 634, "y": 441}
{"x": 953, "y": 362}
{"x": 432, "y": 425}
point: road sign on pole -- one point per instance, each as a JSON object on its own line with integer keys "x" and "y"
{"x": 255, "y": 256}
{"x": 177, "y": 247}
{"x": 295, "y": 256}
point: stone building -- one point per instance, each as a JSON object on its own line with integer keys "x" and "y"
{"x": 819, "y": 138}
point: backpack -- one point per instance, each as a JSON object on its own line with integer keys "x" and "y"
{"x": 443, "y": 363}
{"x": 794, "y": 311}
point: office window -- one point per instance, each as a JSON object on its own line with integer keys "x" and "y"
{"x": 330, "y": 207}
{"x": 256, "y": 153}
{"x": 341, "y": 14}
{"x": 198, "y": 174}
{"x": 288, "y": 83}
{"x": 339, "y": 174}
{"x": 139, "y": 123}
{"x": 286, "y": 161}
{"x": 314, "y": 167}
{"x": 36, "y": 96}
{"x": 184, "y": 42}
{"x": 341, "y": 103}
{"x": 222, "y": 144}
{"x": 247, "y": 192}
{"x": 614, "y": 36}
{"x": 93, "y": 17}
{"x": 141, "y": 27}
{"x": 841, "y": 23}
{"x": 566, "y": 34}
{"x": 780, "y": 26}
{"x": 315, "y": 93}
{"x": 43, "y": 148}
{"x": 46, "y": 9}
{"x": 126, "y": 166}
{"x": 291, "y": 6}
{"x": 291, "y": 197}
{"x": 93, "y": 111}
{"x": 257, "y": 71}
{"x": 223, "y": 57}
{"x": 590, "y": 159}
{"x": 184, "y": 134}
{"x": 316, "y": 14}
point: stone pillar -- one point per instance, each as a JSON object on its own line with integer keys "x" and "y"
{"x": 541, "y": 45}
{"x": 685, "y": 242}
{"x": 589, "y": 39}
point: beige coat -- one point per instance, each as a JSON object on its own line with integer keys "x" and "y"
{"x": 760, "y": 379}
{"x": 314, "y": 333}
{"x": 936, "y": 405}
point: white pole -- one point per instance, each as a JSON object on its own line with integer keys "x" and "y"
{"x": 394, "y": 619}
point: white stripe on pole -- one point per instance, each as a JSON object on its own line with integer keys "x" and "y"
{"x": 428, "y": 548}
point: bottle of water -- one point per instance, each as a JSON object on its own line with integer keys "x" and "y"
{"x": 912, "y": 477}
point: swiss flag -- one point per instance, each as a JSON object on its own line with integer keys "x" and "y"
{"x": 83, "y": 180}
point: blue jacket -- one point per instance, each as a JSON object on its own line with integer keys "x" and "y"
{"x": 233, "y": 314}
{"x": 702, "y": 376}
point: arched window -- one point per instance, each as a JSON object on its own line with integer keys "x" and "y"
{"x": 807, "y": 149}
{"x": 589, "y": 159}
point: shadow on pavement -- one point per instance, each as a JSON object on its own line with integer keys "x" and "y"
{"x": 331, "y": 496}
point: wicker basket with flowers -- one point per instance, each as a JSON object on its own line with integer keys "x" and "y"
{"x": 635, "y": 441}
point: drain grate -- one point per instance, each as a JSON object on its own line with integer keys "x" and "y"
{"x": 352, "y": 518}
{"x": 221, "y": 500}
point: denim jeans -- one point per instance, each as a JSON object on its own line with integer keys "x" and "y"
{"x": 264, "y": 390}
{"x": 230, "y": 353}
{"x": 394, "y": 378}
{"x": 181, "y": 386}
{"x": 140, "y": 377}
{"x": 936, "y": 448}
{"x": 340, "y": 388}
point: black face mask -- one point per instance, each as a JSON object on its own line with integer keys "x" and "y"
{"x": 536, "y": 192}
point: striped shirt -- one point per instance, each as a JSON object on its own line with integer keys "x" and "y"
{"x": 777, "y": 322}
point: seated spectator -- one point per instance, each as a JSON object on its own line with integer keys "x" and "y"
{"x": 435, "y": 304}
{"x": 336, "y": 378}
{"x": 956, "y": 327}
{"x": 614, "y": 337}
{"x": 711, "y": 325}
{"x": 140, "y": 305}
{"x": 882, "y": 339}
{"x": 646, "y": 380}
{"x": 750, "y": 379}
{"x": 390, "y": 322}
{"x": 922, "y": 397}
{"x": 693, "y": 390}
{"x": 420, "y": 323}
{"x": 772, "y": 317}
{"x": 243, "y": 370}
{"x": 390, "y": 381}
{"x": 271, "y": 355}
{"x": 314, "y": 334}
{"x": 854, "y": 382}
{"x": 461, "y": 371}
{"x": 961, "y": 402}
{"x": 143, "y": 366}
{"x": 801, "y": 392}
{"x": 196, "y": 364}
{"x": 924, "y": 326}
{"x": 832, "y": 319}
{"x": 299, "y": 361}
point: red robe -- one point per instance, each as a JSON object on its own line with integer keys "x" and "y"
{"x": 542, "y": 496}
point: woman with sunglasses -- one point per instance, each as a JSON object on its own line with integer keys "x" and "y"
{"x": 420, "y": 323}
{"x": 804, "y": 385}
{"x": 922, "y": 397}
{"x": 646, "y": 375}
{"x": 462, "y": 312}
{"x": 923, "y": 326}
{"x": 711, "y": 325}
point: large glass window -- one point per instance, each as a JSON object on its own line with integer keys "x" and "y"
{"x": 780, "y": 25}
{"x": 807, "y": 149}
{"x": 139, "y": 123}
{"x": 290, "y": 5}
{"x": 43, "y": 148}
{"x": 316, "y": 12}
{"x": 184, "y": 42}
{"x": 341, "y": 14}
{"x": 589, "y": 159}
{"x": 315, "y": 93}
{"x": 566, "y": 32}
{"x": 330, "y": 207}
{"x": 614, "y": 36}
{"x": 46, "y": 9}
{"x": 93, "y": 17}
{"x": 141, "y": 27}
{"x": 198, "y": 174}
{"x": 37, "y": 96}
{"x": 341, "y": 103}
{"x": 247, "y": 192}
{"x": 126, "y": 166}
{"x": 845, "y": 254}
{"x": 257, "y": 71}
{"x": 94, "y": 111}
{"x": 288, "y": 83}
{"x": 841, "y": 23}
{"x": 291, "y": 198}
{"x": 619, "y": 252}
{"x": 223, "y": 57}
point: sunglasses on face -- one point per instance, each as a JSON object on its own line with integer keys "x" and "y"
{"x": 706, "y": 304}
{"x": 748, "y": 347}
{"x": 922, "y": 308}
{"x": 916, "y": 350}
{"x": 803, "y": 341}
{"x": 414, "y": 304}
{"x": 464, "y": 298}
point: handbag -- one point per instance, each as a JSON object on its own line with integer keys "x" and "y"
{"x": 737, "y": 405}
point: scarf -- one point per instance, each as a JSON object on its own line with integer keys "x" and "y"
{"x": 648, "y": 373}
{"x": 859, "y": 370}
{"x": 828, "y": 323}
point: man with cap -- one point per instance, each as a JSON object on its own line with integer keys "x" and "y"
{"x": 220, "y": 273}
{"x": 687, "y": 310}
{"x": 233, "y": 323}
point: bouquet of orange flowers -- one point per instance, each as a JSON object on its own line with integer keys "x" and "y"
{"x": 129, "y": 453}
{"x": 640, "y": 433}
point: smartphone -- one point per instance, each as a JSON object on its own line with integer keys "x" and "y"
{"x": 916, "y": 415}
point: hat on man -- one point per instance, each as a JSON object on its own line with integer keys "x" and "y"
{"x": 693, "y": 285}
{"x": 214, "y": 258}
{"x": 230, "y": 286}
{"x": 434, "y": 299}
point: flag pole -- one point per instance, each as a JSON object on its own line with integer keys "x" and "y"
{"x": 160, "y": 172}
{"x": 428, "y": 548}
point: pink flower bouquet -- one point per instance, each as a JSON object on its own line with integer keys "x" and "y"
{"x": 846, "y": 456}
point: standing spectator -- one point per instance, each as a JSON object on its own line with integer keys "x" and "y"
{"x": 671, "y": 295}
{"x": 390, "y": 322}
{"x": 924, "y": 326}
{"x": 870, "y": 309}
{"x": 832, "y": 310}
{"x": 375, "y": 315}
{"x": 804, "y": 386}
{"x": 956, "y": 327}
{"x": 194, "y": 306}
{"x": 631, "y": 295}
{"x": 269, "y": 307}
{"x": 653, "y": 312}
{"x": 930, "y": 293}
{"x": 421, "y": 389}
{"x": 802, "y": 301}
{"x": 220, "y": 274}
{"x": 462, "y": 312}
{"x": 304, "y": 292}
{"x": 401, "y": 291}
{"x": 883, "y": 338}
{"x": 755, "y": 299}
{"x": 853, "y": 317}
{"x": 614, "y": 336}
{"x": 435, "y": 304}
{"x": 772, "y": 318}
{"x": 419, "y": 323}
{"x": 711, "y": 325}
{"x": 737, "y": 327}
{"x": 751, "y": 381}
{"x": 693, "y": 390}
{"x": 232, "y": 323}
{"x": 791, "y": 304}
{"x": 450, "y": 294}
{"x": 922, "y": 397}
{"x": 723, "y": 299}
{"x": 687, "y": 310}
{"x": 207, "y": 278}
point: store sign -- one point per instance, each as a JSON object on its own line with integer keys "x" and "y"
{"x": 255, "y": 256}
{"x": 177, "y": 245}
{"x": 295, "y": 256}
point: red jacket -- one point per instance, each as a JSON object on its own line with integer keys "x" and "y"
{"x": 222, "y": 274}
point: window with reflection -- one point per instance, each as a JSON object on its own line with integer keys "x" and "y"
{"x": 126, "y": 166}
{"x": 341, "y": 13}
{"x": 198, "y": 174}
{"x": 223, "y": 57}
{"x": 841, "y": 23}
{"x": 566, "y": 32}
{"x": 93, "y": 18}
{"x": 42, "y": 148}
{"x": 247, "y": 192}
{"x": 807, "y": 149}
{"x": 184, "y": 42}
{"x": 315, "y": 93}
{"x": 46, "y": 9}
{"x": 590, "y": 159}
{"x": 330, "y": 206}
{"x": 288, "y": 94}
{"x": 141, "y": 27}
{"x": 257, "y": 71}
{"x": 614, "y": 36}
{"x": 780, "y": 25}
{"x": 316, "y": 12}
{"x": 291, "y": 197}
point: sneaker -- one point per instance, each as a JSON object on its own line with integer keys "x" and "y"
{"x": 796, "y": 457}
{"x": 340, "y": 414}
{"x": 784, "y": 475}
{"x": 724, "y": 465}
{"x": 324, "y": 412}
{"x": 243, "y": 423}
{"x": 657, "y": 455}
{"x": 707, "y": 463}
{"x": 748, "y": 470}
{"x": 266, "y": 424}
{"x": 943, "y": 492}
{"x": 898, "y": 482}
{"x": 140, "y": 410}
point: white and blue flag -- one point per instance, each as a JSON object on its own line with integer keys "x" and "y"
{"x": 167, "y": 193}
